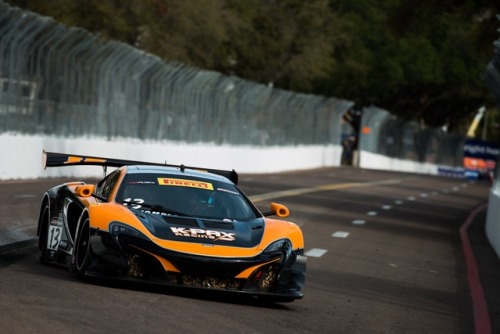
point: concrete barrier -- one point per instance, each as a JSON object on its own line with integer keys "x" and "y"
{"x": 493, "y": 216}
{"x": 21, "y": 155}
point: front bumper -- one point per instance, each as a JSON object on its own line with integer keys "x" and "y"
{"x": 275, "y": 275}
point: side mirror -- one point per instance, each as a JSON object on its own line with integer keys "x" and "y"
{"x": 277, "y": 209}
{"x": 85, "y": 190}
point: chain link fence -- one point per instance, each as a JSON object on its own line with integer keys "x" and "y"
{"x": 64, "y": 81}
{"x": 384, "y": 134}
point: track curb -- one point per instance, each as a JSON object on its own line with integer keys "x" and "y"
{"x": 481, "y": 316}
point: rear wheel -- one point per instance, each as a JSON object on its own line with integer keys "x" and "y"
{"x": 81, "y": 257}
{"x": 43, "y": 235}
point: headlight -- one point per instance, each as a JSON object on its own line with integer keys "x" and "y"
{"x": 116, "y": 229}
{"x": 265, "y": 277}
{"x": 283, "y": 245}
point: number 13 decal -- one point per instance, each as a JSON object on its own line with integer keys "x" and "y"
{"x": 54, "y": 237}
{"x": 135, "y": 202}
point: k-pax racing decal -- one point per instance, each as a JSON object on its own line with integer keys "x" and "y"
{"x": 185, "y": 183}
{"x": 202, "y": 233}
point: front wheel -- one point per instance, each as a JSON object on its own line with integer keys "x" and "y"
{"x": 81, "y": 256}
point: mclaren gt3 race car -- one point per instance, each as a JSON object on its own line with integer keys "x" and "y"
{"x": 173, "y": 225}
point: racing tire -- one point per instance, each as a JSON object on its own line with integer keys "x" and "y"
{"x": 82, "y": 244}
{"x": 43, "y": 235}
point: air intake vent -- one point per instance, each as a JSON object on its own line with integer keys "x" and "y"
{"x": 181, "y": 221}
{"x": 218, "y": 224}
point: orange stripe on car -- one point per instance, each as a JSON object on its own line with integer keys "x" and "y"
{"x": 167, "y": 265}
{"x": 73, "y": 160}
{"x": 95, "y": 160}
{"x": 247, "y": 272}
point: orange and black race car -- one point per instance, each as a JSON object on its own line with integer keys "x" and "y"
{"x": 174, "y": 225}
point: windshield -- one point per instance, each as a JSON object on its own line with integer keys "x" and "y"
{"x": 184, "y": 195}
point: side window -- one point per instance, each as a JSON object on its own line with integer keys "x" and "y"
{"x": 105, "y": 186}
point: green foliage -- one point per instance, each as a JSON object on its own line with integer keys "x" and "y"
{"x": 418, "y": 59}
{"x": 286, "y": 43}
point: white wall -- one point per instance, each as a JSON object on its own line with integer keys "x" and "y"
{"x": 376, "y": 161}
{"x": 21, "y": 155}
{"x": 493, "y": 216}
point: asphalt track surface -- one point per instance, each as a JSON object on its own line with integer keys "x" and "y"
{"x": 385, "y": 255}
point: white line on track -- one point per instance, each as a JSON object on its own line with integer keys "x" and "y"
{"x": 340, "y": 234}
{"x": 318, "y": 252}
{"x": 315, "y": 252}
{"x": 24, "y": 196}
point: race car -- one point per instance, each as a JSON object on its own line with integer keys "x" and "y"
{"x": 174, "y": 225}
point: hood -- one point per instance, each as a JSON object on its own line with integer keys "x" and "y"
{"x": 204, "y": 231}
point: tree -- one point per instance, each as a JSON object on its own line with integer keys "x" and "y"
{"x": 418, "y": 59}
{"x": 286, "y": 43}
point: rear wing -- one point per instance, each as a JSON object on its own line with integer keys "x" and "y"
{"x": 51, "y": 159}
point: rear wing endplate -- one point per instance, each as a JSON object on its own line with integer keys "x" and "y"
{"x": 51, "y": 159}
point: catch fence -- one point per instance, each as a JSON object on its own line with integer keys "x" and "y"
{"x": 64, "y": 81}
{"x": 67, "y": 82}
{"x": 384, "y": 134}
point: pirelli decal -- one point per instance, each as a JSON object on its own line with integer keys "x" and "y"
{"x": 185, "y": 183}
